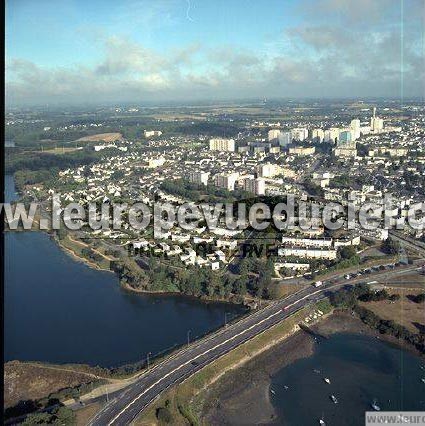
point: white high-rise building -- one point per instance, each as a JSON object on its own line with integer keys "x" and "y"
{"x": 355, "y": 128}
{"x": 273, "y": 135}
{"x": 331, "y": 135}
{"x": 284, "y": 137}
{"x": 226, "y": 181}
{"x": 220, "y": 144}
{"x": 269, "y": 170}
{"x": 255, "y": 186}
{"x": 376, "y": 123}
{"x": 299, "y": 134}
{"x": 317, "y": 135}
{"x": 199, "y": 177}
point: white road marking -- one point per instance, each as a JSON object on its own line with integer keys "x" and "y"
{"x": 236, "y": 335}
{"x": 205, "y": 352}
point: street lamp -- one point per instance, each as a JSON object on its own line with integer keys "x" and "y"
{"x": 225, "y": 318}
{"x": 188, "y": 337}
{"x": 147, "y": 360}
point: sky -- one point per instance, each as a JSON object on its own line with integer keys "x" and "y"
{"x": 136, "y": 51}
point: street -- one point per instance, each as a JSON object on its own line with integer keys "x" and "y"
{"x": 125, "y": 405}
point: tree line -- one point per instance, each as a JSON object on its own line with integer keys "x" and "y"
{"x": 252, "y": 277}
{"x": 348, "y": 299}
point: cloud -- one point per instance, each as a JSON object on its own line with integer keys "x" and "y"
{"x": 330, "y": 54}
{"x": 123, "y": 56}
{"x": 377, "y": 61}
{"x": 362, "y": 13}
{"x": 321, "y": 38}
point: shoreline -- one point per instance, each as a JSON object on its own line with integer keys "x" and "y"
{"x": 243, "y": 395}
{"x": 77, "y": 258}
{"x": 128, "y": 287}
{"x": 187, "y": 296}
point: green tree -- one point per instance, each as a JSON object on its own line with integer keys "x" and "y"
{"x": 64, "y": 416}
{"x": 210, "y": 283}
{"x": 163, "y": 414}
{"x": 391, "y": 246}
{"x": 37, "y": 419}
{"x": 239, "y": 287}
{"x": 347, "y": 252}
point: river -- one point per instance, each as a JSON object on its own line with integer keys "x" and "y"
{"x": 361, "y": 368}
{"x": 59, "y": 310}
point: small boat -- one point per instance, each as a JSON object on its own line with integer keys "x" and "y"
{"x": 423, "y": 380}
{"x": 322, "y": 422}
{"x": 334, "y": 399}
{"x": 316, "y": 371}
{"x": 375, "y": 405}
{"x": 326, "y": 380}
{"x": 285, "y": 387}
{"x": 272, "y": 391}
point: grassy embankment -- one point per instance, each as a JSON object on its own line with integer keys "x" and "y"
{"x": 35, "y": 380}
{"x": 403, "y": 311}
{"x": 60, "y": 150}
{"x": 101, "y": 137}
{"x": 76, "y": 248}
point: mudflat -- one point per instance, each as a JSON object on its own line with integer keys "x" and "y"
{"x": 242, "y": 396}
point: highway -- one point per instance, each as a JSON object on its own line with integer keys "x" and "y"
{"x": 407, "y": 241}
{"x": 125, "y": 405}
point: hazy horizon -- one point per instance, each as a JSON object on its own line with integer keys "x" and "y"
{"x": 217, "y": 102}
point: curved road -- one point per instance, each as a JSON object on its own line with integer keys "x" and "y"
{"x": 126, "y": 404}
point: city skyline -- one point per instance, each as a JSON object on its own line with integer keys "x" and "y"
{"x": 179, "y": 50}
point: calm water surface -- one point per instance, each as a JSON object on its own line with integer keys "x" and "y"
{"x": 59, "y": 310}
{"x": 361, "y": 369}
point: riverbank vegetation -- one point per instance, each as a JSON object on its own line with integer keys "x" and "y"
{"x": 351, "y": 298}
{"x": 252, "y": 278}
